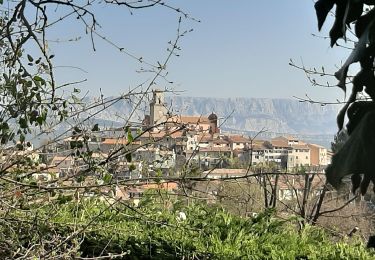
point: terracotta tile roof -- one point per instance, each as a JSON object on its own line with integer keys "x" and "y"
{"x": 286, "y": 138}
{"x": 61, "y": 158}
{"x": 204, "y": 138}
{"x": 118, "y": 141}
{"x": 189, "y": 119}
{"x": 259, "y": 146}
{"x": 177, "y": 134}
{"x": 238, "y": 139}
{"x": 300, "y": 146}
{"x": 214, "y": 149}
{"x": 280, "y": 138}
{"x": 279, "y": 143}
{"x": 163, "y": 185}
{"x": 219, "y": 141}
{"x": 52, "y": 170}
{"x": 317, "y": 146}
{"x": 122, "y": 141}
{"x": 162, "y": 134}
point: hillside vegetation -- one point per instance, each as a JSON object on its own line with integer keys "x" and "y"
{"x": 166, "y": 229}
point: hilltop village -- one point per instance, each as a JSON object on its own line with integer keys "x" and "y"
{"x": 171, "y": 145}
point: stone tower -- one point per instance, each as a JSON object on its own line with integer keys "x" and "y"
{"x": 213, "y": 123}
{"x": 158, "y": 109}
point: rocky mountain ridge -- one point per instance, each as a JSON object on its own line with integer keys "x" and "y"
{"x": 310, "y": 122}
{"x": 253, "y": 114}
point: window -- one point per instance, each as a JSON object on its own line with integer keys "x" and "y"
{"x": 307, "y": 157}
{"x": 296, "y": 157}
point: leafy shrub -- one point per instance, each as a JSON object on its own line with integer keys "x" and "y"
{"x": 208, "y": 232}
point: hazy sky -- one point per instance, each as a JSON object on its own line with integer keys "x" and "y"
{"x": 239, "y": 49}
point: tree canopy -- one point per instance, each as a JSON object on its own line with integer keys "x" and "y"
{"x": 356, "y": 155}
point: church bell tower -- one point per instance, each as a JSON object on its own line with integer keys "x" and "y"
{"x": 158, "y": 109}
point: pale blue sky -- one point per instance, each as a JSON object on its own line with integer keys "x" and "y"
{"x": 240, "y": 49}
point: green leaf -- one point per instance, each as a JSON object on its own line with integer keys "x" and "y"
{"x": 19, "y": 147}
{"x": 37, "y": 78}
{"x": 128, "y": 157}
{"x": 81, "y": 178}
{"x": 5, "y": 126}
{"x": 77, "y": 129}
{"x": 38, "y": 97}
{"x": 23, "y": 123}
{"x": 107, "y": 178}
{"x": 132, "y": 167}
{"x": 76, "y": 99}
{"x": 76, "y": 144}
{"x": 357, "y": 54}
{"x": 95, "y": 128}
{"x": 6, "y": 78}
{"x": 355, "y": 156}
{"x": 130, "y": 136}
{"x": 40, "y": 120}
{"x": 62, "y": 199}
{"x": 322, "y": 8}
{"x": 31, "y": 59}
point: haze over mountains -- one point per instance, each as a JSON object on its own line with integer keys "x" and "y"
{"x": 310, "y": 122}
{"x": 253, "y": 114}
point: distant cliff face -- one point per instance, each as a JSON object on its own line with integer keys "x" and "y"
{"x": 310, "y": 122}
{"x": 253, "y": 114}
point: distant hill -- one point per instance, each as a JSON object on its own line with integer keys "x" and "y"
{"x": 310, "y": 122}
{"x": 252, "y": 114}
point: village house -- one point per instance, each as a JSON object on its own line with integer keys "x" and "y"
{"x": 213, "y": 157}
{"x": 238, "y": 142}
{"x": 299, "y": 155}
{"x": 64, "y": 165}
{"x": 289, "y": 152}
{"x": 257, "y": 152}
{"x": 224, "y": 173}
{"x": 318, "y": 155}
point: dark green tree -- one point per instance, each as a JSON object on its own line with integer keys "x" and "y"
{"x": 356, "y": 156}
{"x": 339, "y": 140}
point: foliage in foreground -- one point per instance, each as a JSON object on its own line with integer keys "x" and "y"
{"x": 93, "y": 228}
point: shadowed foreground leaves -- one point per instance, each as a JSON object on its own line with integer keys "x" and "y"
{"x": 357, "y": 156}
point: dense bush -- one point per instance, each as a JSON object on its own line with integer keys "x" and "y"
{"x": 157, "y": 230}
